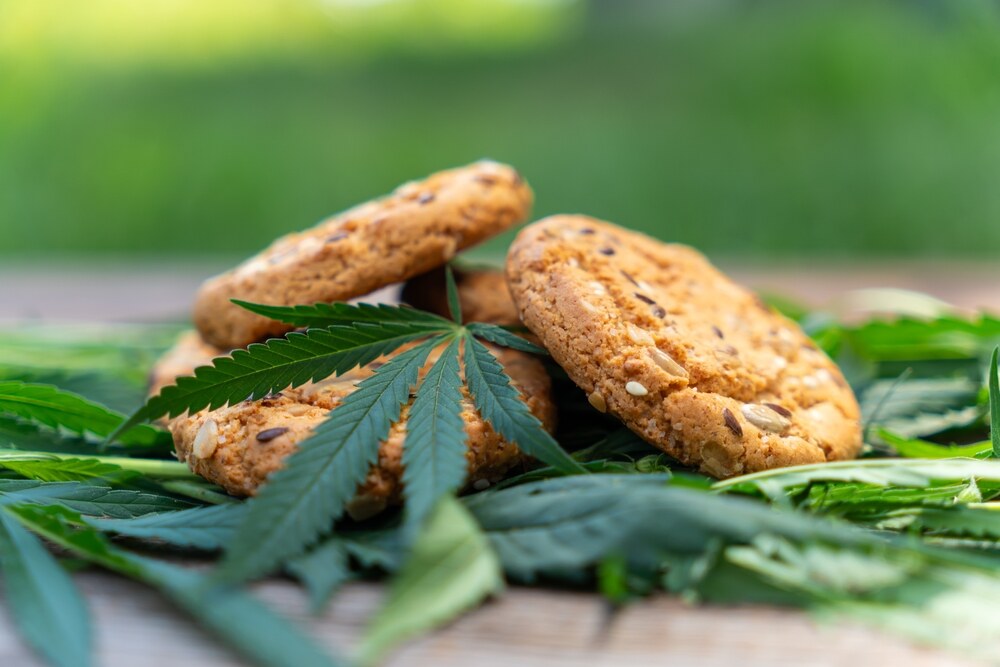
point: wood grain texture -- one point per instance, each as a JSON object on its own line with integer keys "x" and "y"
{"x": 544, "y": 628}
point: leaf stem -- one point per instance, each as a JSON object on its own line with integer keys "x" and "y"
{"x": 152, "y": 467}
{"x": 196, "y": 491}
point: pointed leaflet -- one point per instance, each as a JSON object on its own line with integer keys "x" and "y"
{"x": 323, "y": 315}
{"x": 45, "y": 404}
{"x": 434, "y": 455}
{"x": 69, "y": 470}
{"x": 281, "y": 362}
{"x": 994, "y": 385}
{"x": 454, "y": 304}
{"x": 501, "y": 336}
{"x": 500, "y": 404}
{"x": 301, "y": 501}
{"x": 87, "y": 498}
{"x": 451, "y": 568}
{"x": 323, "y": 570}
{"x": 46, "y": 607}
{"x": 206, "y": 528}
{"x": 238, "y": 619}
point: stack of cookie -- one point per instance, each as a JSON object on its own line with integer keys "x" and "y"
{"x": 652, "y": 334}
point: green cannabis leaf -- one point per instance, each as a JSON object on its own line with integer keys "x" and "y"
{"x": 237, "y": 618}
{"x": 451, "y": 568}
{"x": 88, "y": 499}
{"x": 46, "y": 606}
{"x": 323, "y": 570}
{"x": 914, "y": 448}
{"x": 207, "y": 528}
{"x": 299, "y": 501}
{"x": 268, "y": 367}
{"x": 500, "y": 404}
{"x": 500, "y": 336}
{"x": 56, "y": 408}
{"x": 434, "y": 456}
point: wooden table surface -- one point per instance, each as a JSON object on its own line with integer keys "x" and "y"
{"x": 135, "y": 626}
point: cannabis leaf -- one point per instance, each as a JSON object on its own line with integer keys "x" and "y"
{"x": 47, "y": 609}
{"x": 500, "y": 336}
{"x": 69, "y": 470}
{"x": 914, "y": 448}
{"x": 994, "y": 385}
{"x": 323, "y": 570}
{"x": 279, "y": 363}
{"x": 299, "y": 501}
{"x": 207, "y": 528}
{"x": 500, "y": 404}
{"x": 451, "y": 568}
{"x": 322, "y": 315}
{"x": 56, "y": 408}
{"x": 434, "y": 456}
{"x": 87, "y": 499}
{"x": 237, "y": 618}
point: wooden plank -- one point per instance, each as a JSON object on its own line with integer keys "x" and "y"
{"x": 531, "y": 627}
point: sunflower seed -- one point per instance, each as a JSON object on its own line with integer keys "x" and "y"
{"x": 666, "y": 362}
{"x": 206, "y": 440}
{"x": 597, "y": 401}
{"x": 732, "y": 423}
{"x": 636, "y": 388}
{"x": 765, "y": 418}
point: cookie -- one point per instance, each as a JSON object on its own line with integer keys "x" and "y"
{"x": 691, "y": 362}
{"x": 418, "y": 227}
{"x": 482, "y": 294}
{"x": 238, "y": 446}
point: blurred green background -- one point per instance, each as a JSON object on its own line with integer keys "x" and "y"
{"x": 752, "y": 129}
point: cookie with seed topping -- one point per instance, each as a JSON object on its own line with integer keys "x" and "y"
{"x": 418, "y": 227}
{"x": 687, "y": 359}
{"x": 482, "y": 295}
{"x": 188, "y": 353}
{"x": 238, "y": 446}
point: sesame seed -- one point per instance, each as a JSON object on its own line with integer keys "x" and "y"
{"x": 636, "y": 389}
{"x": 645, "y": 299}
{"x": 597, "y": 402}
{"x": 607, "y": 251}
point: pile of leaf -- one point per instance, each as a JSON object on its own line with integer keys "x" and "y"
{"x": 905, "y": 538}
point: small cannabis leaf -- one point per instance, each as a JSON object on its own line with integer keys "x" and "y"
{"x": 56, "y": 408}
{"x": 454, "y": 303}
{"x": 300, "y": 502}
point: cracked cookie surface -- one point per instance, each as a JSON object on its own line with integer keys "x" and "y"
{"x": 690, "y": 361}
{"x": 418, "y": 227}
{"x": 238, "y": 446}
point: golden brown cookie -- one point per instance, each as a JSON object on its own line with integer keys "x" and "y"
{"x": 421, "y": 225}
{"x": 482, "y": 294}
{"x": 690, "y": 361}
{"x": 238, "y": 446}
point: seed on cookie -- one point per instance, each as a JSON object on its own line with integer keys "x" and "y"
{"x": 597, "y": 401}
{"x": 732, "y": 423}
{"x": 666, "y": 362}
{"x": 339, "y": 236}
{"x": 270, "y": 434}
{"x": 765, "y": 418}
{"x": 425, "y": 198}
{"x": 783, "y": 411}
{"x": 636, "y": 388}
{"x": 718, "y": 332}
{"x": 206, "y": 440}
{"x": 637, "y": 335}
{"x": 607, "y": 251}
